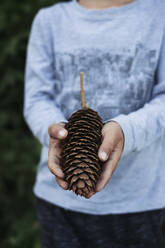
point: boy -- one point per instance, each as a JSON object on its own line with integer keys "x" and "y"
{"x": 120, "y": 47}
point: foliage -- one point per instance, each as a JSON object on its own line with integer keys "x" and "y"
{"x": 19, "y": 149}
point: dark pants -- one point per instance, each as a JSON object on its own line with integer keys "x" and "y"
{"x": 61, "y": 228}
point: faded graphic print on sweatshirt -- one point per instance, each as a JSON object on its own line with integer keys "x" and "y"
{"x": 115, "y": 82}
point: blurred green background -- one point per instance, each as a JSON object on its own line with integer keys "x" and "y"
{"x": 20, "y": 151}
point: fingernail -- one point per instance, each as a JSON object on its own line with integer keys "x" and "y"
{"x": 62, "y": 133}
{"x": 103, "y": 155}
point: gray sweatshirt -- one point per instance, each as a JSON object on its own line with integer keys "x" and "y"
{"x": 121, "y": 51}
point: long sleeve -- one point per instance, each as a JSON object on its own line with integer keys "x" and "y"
{"x": 40, "y": 109}
{"x": 147, "y": 124}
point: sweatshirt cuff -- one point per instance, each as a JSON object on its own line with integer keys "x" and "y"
{"x": 124, "y": 123}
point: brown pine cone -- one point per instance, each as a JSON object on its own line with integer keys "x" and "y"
{"x": 80, "y": 162}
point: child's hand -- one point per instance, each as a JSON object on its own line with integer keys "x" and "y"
{"x": 109, "y": 151}
{"x": 57, "y": 132}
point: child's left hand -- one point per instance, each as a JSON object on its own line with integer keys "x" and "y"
{"x": 109, "y": 152}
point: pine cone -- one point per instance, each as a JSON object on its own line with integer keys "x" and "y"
{"x": 80, "y": 162}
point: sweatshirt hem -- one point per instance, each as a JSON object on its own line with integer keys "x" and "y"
{"x": 115, "y": 210}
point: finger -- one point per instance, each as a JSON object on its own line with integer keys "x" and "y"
{"x": 108, "y": 169}
{"x": 90, "y": 195}
{"x": 57, "y": 149}
{"x": 54, "y": 161}
{"x": 63, "y": 184}
{"x": 56, "y": 169}
{"x": 57, "y": 131}
{"x": 106, "y": 147}
{"x": 57, "y": 146}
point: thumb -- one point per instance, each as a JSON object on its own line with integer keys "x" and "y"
{"x": 57, "y": 131}
{"x": 106, "y": 148}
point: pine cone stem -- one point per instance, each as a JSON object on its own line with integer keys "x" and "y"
{"x": 83, "y": 105}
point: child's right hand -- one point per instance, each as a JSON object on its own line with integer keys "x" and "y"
{"x": 57, "y": 132}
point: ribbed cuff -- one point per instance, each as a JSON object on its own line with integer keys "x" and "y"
{"x": 123, "y": 121}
